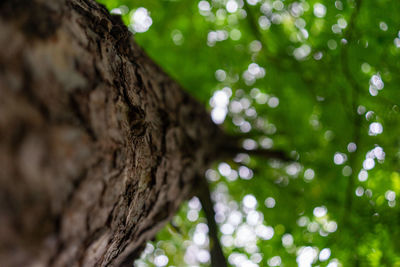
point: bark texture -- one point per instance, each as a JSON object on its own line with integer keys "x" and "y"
{"x": 98, "y": 146}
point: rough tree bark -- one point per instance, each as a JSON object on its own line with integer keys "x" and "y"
{"x": 98, "y": 146}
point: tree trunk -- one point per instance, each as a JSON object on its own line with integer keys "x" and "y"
{"x": 98, "y": 146}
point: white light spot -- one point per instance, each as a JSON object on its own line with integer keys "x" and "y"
{"x": 202, "y": 228}
{"x": 224, "y": 169}
{"x": 342, "y": 23}
{"x": 269, "y": 202}
{"x": 245, "y": 173}
{"x": 339, "y": 5}
{"x": 192, "y": 215}
{"x": 361, "y": 110}
{"x": 362, "y": 175}
{"x": 293, "y": 169}
{"x": 212, "y": 175}
{"x": 235, "y": 218}
{"x": 267, "y": 143}
{"x": 324, "y": 254}
{"x": 235, "y": 107}
{"x": 331, "y": 226}
{"x": 255, "y": 69}
{"x": 244, "y": 235}
{"x": 256, "y": 258}
{"x": 303, "y": 221}
{"x": 266, "y": 8}
{"x": 319, "y": 10}
{"x": 149, "y": 248}
{"x": 368, "y": 164}
{"x": 218, "y": 115}
{"x": 245, "y": 102}
{"x": 255, "y": 46}
{"x": 204, "y": 6}
{"x": 333, "y": 263}
{"x": 313, "y": 227}
{"x": 245, "y": 127}
{"x": 276, "y": 18}
{"x": 351, "y": 147}
{"x": 359, "y": 191}
{"x": 220, "y": 99}
{"x": 253, "y": 218}
{"x": 373, "y": 91}
{"x": 141, "y": 20}
{"x": 227, "y": 229}
{"x": 309, "y": 174}
{"x": 287, "y": 240}
{"x": 320, "y": 211}
{"x": 122, "y": 10}
{"x": 161, "y": 260}
{"x": 249, "y": 144}
{"x": 253, "y": 2}
{"x": 194, "y": 204}
{"x": 390, "y": 195}
{"x": 237, "y": 259}
{"x": 235, "y": 34}
{"x": 339, "y": 158}
{"x": 227, "y": 240}
{"x": 296, "y": 9}
{"x": 264, "y": 22}
{"x": 318, "y": 55}
{"x": 219, "y": 102}
{"x": 383, "y": 26}
{"x": 275, "y": 261}
{"x": 220, "y": 75}
{"x": 302, "y": 52}
{"x": 336, "y": 29}
{"x": 264, "y": 232}
{"x": 397, "y": 42}
{"x": 306, "y": 256}
{"x": 203, "y": 256}
{"x": 376, "y": 84}
{"x": 199, "y": 238}
{"x": 375, "y": 128}
{"x": 249, "y": 201}
{"x": 232, "y": 176}
{"x": 379, "y": 153}
{"x": 253, "y": 72}
{"x": 369, "y": 115}
{"x": 273, "y": 102}
{"x": 231, "y": 6}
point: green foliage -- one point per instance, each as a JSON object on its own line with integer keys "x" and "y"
{"x": 318, "y": 79}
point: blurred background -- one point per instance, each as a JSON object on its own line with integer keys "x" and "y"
{"x": 317, "y": 79}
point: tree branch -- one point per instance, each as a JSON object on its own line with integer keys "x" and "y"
{"x": 217, "y": 256}
{"x": 355, "y": 89}
{"x": 232, "y": 145}
{"x": 265, "y": 153}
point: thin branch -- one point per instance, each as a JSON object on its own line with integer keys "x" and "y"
{"x": 264, "y": 153}
{"x": 255, "y": 29}
{"x": 357, "y": 122}
{"x": 217, "y": 256}
{"x": 232, "y": 145}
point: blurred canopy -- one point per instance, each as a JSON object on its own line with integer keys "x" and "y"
{"x": 318, "y": 79}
